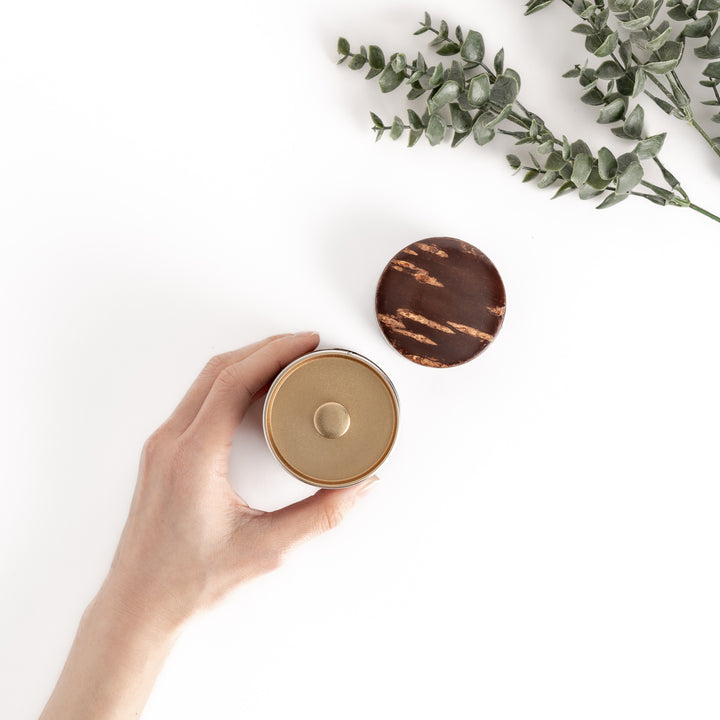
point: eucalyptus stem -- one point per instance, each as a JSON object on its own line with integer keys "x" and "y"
{"x": 704, "y": 212}
{"x": 706, "y": 137}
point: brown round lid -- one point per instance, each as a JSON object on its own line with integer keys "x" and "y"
{"x": 331, "y": 418}
{"x": 440, "y": 302}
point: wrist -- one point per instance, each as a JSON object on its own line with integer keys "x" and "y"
{"x": 131, "y": 607}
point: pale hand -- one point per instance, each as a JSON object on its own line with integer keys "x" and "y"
{"x": 188, "y": 540}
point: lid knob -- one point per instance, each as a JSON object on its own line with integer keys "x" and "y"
{"x": 331, "y": 420}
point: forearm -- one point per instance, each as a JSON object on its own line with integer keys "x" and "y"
{"x": 115, "y": 658}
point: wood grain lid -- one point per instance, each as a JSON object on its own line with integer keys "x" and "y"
{"x": 440, "y": 302}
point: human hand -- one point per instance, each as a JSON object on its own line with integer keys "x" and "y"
{"x": 189, "y": 538}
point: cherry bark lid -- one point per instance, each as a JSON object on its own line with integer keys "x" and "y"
{"x": 440, "y": 302}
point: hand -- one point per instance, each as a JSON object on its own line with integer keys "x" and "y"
{"x": 189, "y": 538}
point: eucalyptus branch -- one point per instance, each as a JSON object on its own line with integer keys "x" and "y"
{"x": 467, "y": 98}
{"x": 648, "y": 52}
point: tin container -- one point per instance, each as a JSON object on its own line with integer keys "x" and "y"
{"x": 331, "y": 418}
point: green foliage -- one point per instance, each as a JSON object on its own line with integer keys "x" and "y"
{"x": 649, "y": 47}
{"x": 467, "y": 98}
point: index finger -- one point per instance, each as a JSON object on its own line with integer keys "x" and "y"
{"x": 234, "y": 388}
{"x": 191, "y": 403}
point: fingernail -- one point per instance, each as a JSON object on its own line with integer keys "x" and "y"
{"x": 367, "y": 484}
{"x": 306, "y": 333}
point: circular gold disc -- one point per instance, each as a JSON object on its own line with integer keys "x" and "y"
{"x": 331, "y": 418}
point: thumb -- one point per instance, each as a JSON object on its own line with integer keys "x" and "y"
{"x": 315, "y": 515}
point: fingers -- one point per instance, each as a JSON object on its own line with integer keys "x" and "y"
{"x": 313, "y": 516}
{"x": 189, "y": 406}
{"x": 234, "y": 388}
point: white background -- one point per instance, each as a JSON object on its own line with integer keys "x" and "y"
{"x": 179, "y": 179}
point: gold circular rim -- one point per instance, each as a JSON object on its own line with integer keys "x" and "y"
{"x": 335, "y": 352}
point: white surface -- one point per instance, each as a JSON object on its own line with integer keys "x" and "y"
{"x": 178, "y": 179}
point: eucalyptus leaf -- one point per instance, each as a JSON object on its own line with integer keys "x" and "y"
{"x": 458, "y": 137}
{"x": 608, "y": 46}
{"x": 596, "y": 181}
{"x": 547, "y": 147}
{"x": 662, "y": 104}
{"x": 389, "y": 79}
{"x": 564, "y": 189}
{"x": 473, "y": 49}
{"x": 679, "y": 12}
{"x": 712, "y": 70}
{"x": 593, "y": 97}
{"x": 376, "y": 57}
{"x": 668, "y": 58}
{"x": 343, "y": 47}
{"x": 436, "y": 76}
{"x": 377, "y": 122}
{"x": 698, "y": 28}
{"x": 514, "y": 161}
{"x": 554, "y": 161}
{"x": 414, "y": 119}
{"x": 414, "y": 136}
{"x": 650, "y": 147}
{"x": 499, "y": 62}
{"x": 582, "y": 165}
{"x": 548, "y": 179}
{"x": 609, "y": 70}
{"x": 461, "y": 120}
{"x": 397, "y": 128}
{"x": 636, "y": 23}
{"x": 457, "y": 74}
{"x": 481, "y": 134}
{"x": 504, "y": 91}
{"x": 639, "y": 84}
{"x": 502, "y": 115}
{"x": 633, "y": 125}
{"x": 625, "y": 51}
{"x": 586, "y": 192}
{"x": 612, "y": 112}
{"x": 451, "y": 48}
{"x": 535, "y": 5}
{"x": 612, "y": 199}
{"x": 435, "y": 130}
{"x": 625, "y": 160}
{"x": 658, "y": 41}
{"x": 357, "y": 61}
{"x": 445, "y": 94}
{"x": 509, "y": 72}
{"x": 479, "y": 90}
{"x": 629, "y": 178}
{"x": 607, "y": 164}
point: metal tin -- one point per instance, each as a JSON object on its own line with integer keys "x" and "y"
{"x": 331, "y": 418}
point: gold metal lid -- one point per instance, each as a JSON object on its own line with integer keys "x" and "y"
{"x": 331, "y": 418}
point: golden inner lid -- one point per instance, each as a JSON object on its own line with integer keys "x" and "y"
{"x": 331, "y": 418}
